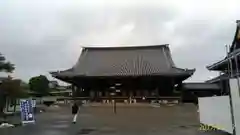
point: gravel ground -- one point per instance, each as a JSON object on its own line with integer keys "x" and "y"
{"x": 129, "y": 120}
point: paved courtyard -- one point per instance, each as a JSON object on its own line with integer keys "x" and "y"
{"x": 129, "y": 120}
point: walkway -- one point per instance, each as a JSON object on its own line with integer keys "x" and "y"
{"x": 139, "y": 120}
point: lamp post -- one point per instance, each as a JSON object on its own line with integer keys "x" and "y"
{"x": 114, "y": 104}
{"x": 115, "y": 90}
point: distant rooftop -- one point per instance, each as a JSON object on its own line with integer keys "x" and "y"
{"x": 124, "y": 46}
{"x": 200, "y": 86}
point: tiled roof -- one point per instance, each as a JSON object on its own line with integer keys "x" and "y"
{"x": 125, "y": 61}
{"x": 223, "y": 77}
{"x": 200, "y": 86}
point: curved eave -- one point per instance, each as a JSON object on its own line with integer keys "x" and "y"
{"x": 180, "y": 73}
{"x": 218, "y": 65}
{"x": 223, "y": 63}
{"x": 63, "y": 75}
{"x": 218, "y": 78}
{"x": 222, "y": 77}
{"x": 186, "y": 74}
{"x": 186, "y": 71}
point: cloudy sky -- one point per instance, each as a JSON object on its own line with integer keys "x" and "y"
{"x": 42, "y": 36}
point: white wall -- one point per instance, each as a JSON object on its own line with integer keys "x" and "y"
{"x": 215, "y": 111}
{"x": 236, "y": 103}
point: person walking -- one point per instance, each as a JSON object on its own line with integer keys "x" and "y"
{"x": 75, "y": 109}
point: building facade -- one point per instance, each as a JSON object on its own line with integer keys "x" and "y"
{"x": 140, "y": 72}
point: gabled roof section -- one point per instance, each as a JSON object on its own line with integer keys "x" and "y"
{"x": 125, "y": 61}
{"x": 223, "y": 77}
{"x": 233, "y": 52}
{"x": 236, "y": 40}
{"x": 218, "y": 78}
{"x": 223, "y": 64}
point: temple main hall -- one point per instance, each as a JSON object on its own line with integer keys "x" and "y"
{"x": 139, "y": 72}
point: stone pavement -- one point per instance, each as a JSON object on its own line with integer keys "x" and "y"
{"x": 139, "y": 120}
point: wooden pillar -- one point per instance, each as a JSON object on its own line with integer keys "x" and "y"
{"x": 124, "y": 94}
{"x": 106, "y": 93}
{"x": 137, "y": 93}
{"x": 92, "y": 94}
{"x": 130, "y": 93}
{"x": 95, "y": 94}
{"x": 100, "y": 93}
{"x": 179, "y": 87}
{"x": 157, "y": 93}
{"x": 172, "y": 87}
{"x": 74, "y": 89}
{"x": 146, "y": 93}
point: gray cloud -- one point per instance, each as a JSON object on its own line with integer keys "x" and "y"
{"x": 41, "y": 37}
{"x": 205, "y": 45}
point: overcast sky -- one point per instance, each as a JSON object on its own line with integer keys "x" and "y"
{"x": 42, "y": 36}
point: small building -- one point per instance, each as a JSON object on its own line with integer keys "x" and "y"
{"x": 192, "y": 91}
{"x": 53, "y": 84}
{"x": 136, "y": 71}
{"x": 63, "y": 93}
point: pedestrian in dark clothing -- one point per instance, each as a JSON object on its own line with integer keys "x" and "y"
{"x": 75, "y": 109}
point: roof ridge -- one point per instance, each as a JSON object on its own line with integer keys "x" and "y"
{"x": 122, "y": 47}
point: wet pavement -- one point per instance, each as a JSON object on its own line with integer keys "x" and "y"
{"x": 144, "y": 120}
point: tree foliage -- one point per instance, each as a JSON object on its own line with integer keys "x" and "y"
{"x": 6, "y": 88}
{"x": 10, "y": 91}
{"x": 5, "y": 66}
{"x": 39, "y": 84}
{"x": 12, "y": 88}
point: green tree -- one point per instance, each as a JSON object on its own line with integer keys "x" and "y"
{"x": 39, "y": 84}
{"x": 12, "y": 91}
{"x": 5, "y": 66}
